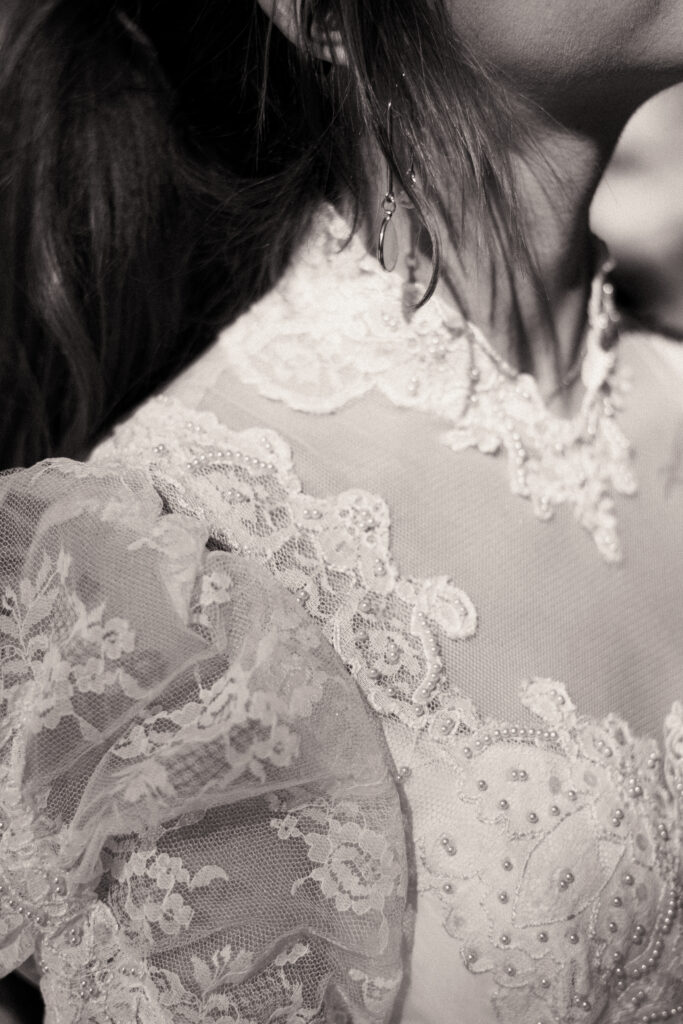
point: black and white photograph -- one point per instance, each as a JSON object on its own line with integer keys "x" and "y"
{"x": 341, "y": 511}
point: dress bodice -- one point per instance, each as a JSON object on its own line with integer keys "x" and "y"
{"x": 505, "y": 587}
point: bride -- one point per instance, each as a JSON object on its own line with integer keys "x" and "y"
{"x": 343, "y": 679}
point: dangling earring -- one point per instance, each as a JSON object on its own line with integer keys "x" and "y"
{"x": 412, "y": 291}
{"x": 387, "y": 244}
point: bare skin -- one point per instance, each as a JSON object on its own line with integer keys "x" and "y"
{"x": 582, "y": 69}
{"x": 585, "y": 67}
{"x": 639, "y": 209}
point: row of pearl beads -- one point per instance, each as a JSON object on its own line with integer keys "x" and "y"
{"x": 234, "y": 456}
{"x": 426, "y": 690}
{"x": 520, "y": 775}
{"x": 505, "y": 734}
{"x": 250, "y": 461}
{"x": 623, "y": 975}
{"x": 656, "y": 1015}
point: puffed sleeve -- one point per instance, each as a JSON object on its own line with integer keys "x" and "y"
{"x": 198, "y": 819}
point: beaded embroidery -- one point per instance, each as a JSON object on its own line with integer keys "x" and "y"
{"x": 318, "y": 348}
{"x": 556, "y": 847}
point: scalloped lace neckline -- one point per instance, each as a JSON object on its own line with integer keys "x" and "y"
{"x": 317, "y": 348}
{"x": 349, "y": 533}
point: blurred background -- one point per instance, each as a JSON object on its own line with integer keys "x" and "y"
{"x": 638, "y": 211}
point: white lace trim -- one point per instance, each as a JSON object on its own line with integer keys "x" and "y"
{"x": 332, "y": 553}
{"x": 333, "y": 330}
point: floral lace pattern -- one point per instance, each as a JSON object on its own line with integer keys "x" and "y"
{"x": 575, "y": 904}
{"x": 355, "y": 866}
{"x": 333, "y": 554}
{"x": 161, "y": 704}
{"x": 316, "y": 356}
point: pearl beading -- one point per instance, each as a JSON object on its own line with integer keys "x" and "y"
{"x": 627, "y": 971}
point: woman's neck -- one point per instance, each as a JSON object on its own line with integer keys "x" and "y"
{"x": 534, "y": 312}
{"x": 535, "y": 316}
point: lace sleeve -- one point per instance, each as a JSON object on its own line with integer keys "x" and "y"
{"x": 198, "y": 821}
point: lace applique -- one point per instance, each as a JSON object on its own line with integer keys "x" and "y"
{"x": 333, "y": 554}
{"x": 575, "y": 905}
{"x": 555, "y": 848}
{"x": 316, "y": 349}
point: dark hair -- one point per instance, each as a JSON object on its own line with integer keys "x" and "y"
{"x": 158, "y": 166}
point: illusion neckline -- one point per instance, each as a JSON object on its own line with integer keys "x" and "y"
{"x": 333, "y": 330}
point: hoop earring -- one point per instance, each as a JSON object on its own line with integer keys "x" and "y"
{"x": 387, "y": 243}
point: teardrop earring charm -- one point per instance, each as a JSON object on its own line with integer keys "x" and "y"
{"x": 412, "y": 291}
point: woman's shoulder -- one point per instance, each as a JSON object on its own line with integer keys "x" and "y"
{"x": 173, "y": 767}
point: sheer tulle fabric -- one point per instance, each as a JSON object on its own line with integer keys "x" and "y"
{"x": 198, "y": 822}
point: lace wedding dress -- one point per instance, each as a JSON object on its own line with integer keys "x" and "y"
{"x": 442, "y": 779}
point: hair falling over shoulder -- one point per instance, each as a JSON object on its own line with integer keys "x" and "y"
{"x": 159, "y": 164}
